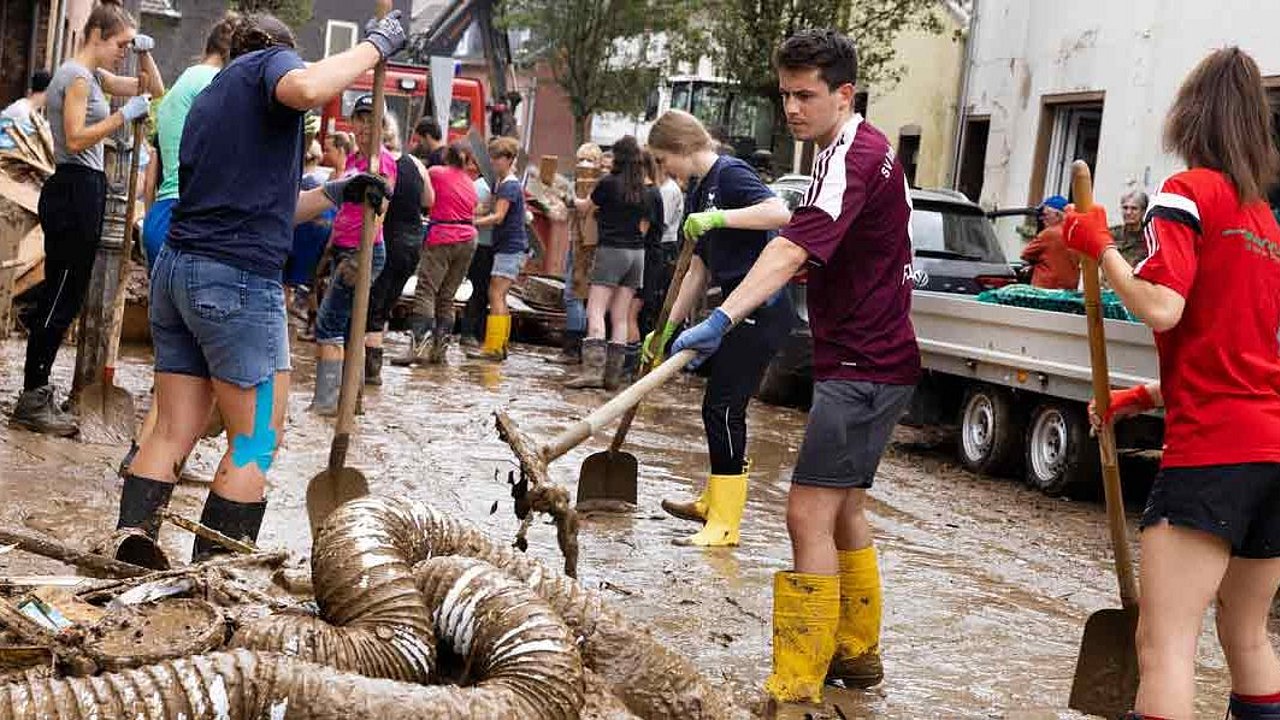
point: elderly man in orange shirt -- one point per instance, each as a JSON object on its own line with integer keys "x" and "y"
{"x": 1053, "y": 267}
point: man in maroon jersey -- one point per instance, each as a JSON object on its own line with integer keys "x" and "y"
{"x": 853, "y": 233}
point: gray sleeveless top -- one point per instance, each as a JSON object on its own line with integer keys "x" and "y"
{"x": 98, "y": 110}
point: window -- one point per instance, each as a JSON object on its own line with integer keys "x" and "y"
{"x": 340, "y": 37}
{"x": 953, "y": 233}
{"x": 973, "y": 157}
{"x": 1076, "y": 130}
{"x": 909, "y": 154}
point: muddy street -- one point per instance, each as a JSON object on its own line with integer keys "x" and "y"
{"x": 987, "y": 584}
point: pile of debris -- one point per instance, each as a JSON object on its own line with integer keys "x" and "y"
{"x": 407, "y": 613}
{"x": 26, "y": 162}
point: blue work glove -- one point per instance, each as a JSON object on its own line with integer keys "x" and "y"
{"x": 387, "y": 34}
{"x": 138, "y": 107}
{"x": 356, "y": 188}
{"x": 704, "y": 338}
{"x": 143, "y": 43}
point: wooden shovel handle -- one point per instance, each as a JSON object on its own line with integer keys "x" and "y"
{"x": 353, "y": 357}
{"x": 126, "y": 256}
{"x": 615, "y": 408}
{"x": 1082, "y": 190}
{"x": 673, "y": 291}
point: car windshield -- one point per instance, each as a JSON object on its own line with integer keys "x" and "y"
{"x": 939, "y": 231}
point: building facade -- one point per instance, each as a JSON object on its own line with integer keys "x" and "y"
{"x": 1047, "y": 87}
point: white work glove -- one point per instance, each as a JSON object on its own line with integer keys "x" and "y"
{"x": 143, "y": 43}
{"x": 138, "y": 107}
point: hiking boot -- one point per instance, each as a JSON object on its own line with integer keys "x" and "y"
{"x": 860, "y": 673}
{"x": 36, "y": 411}
{"x": 373, "y": 366}
{"x": 594, "y": 353}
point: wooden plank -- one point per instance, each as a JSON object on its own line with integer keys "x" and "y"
{"x": 13, "y": 156}
{"x": 15, "y": 226}
{"x": 21, "y": 194}
{"x": 24, "y": 143}
{"x": 44, "y": 134}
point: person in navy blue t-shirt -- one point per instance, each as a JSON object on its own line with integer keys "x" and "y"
{"x": 510, "y": 246}
{"x": 732, "y": 216}
{"x": 217, "y": 303}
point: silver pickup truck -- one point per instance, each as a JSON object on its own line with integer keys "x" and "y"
{"x": 1017, "y": 383}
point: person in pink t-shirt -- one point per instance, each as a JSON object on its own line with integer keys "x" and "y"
{"x": 334, "y": 318}
{"x": 451, "y": 241}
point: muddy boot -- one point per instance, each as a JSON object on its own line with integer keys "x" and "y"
{"x": 594, "y": 353}
{"x": 631, "y": 362}
{"x": 856, "y": 663}
{"x": 127, "y": 460}
{"x": 1252, "y": 707}
{"x": 690, "y": 510}
{"x": 726, "y": 497}
{"x": 37, "y": 412}
{"x": 373, "y": 366}
{"x": 328, "y": 383}
{"x": 439, "y": 352}
{"x": 806, "y": 609}
{"x": 571, "y": 350}
{"x": 236, "y": 520}
{"x": 615, "y": 358}
{"x": 141, "y": 501}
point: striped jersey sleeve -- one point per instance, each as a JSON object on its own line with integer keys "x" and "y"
{"x": 1173, "y": 230}
{"x": 843, "y": 174}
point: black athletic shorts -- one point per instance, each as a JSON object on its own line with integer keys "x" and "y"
{"x": 849, "y": 426}
{"x": 1238, "y": 503}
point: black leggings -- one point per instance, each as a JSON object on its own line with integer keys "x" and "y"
{"x": 403, "y": 250}
{"x": 72, "y": 205}
{"x": 733, "y": 375}
{"x": 478, "y": 306}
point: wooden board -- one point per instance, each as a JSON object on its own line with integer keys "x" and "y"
{"x": 21, "y": 194}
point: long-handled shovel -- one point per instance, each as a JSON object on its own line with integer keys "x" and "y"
{"x": 610, "y": 475}
{"x": 337, "y": 484}
{"x": 103, "y": 403}
{"x": 1106, "y": 679}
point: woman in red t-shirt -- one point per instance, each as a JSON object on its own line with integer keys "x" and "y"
{"x": 1211, "y": 292}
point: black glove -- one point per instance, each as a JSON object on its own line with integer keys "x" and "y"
{"x": 387, "y": 34}
{"x": 358, "y": 188}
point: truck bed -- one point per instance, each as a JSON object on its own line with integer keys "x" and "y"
{"x": 1026, "y": 349}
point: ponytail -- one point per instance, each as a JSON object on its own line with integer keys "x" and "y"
{"x": 220, "y": 35}
{"x": 259, "y": 31}
{"x": 108, "y": 17}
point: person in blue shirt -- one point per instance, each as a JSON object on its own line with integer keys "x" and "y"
{"x": 510, "y": 246}
{"x": 217, "y": 302}
{"x": 732, "y": 216}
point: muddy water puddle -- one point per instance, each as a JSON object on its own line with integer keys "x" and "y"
{"x": 987, "y": 584}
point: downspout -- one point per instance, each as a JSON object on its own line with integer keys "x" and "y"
{"x": 962, "y": 105}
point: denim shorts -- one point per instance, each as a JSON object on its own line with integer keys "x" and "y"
{"x": 213, "y": 320}
{"x": 508, "y": 265}
{"x": 334, "y": 319}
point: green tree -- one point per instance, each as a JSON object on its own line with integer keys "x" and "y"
{"x": 294, "y": 13}
{"x": 605, "y": 54}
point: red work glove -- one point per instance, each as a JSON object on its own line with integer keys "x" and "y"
{"x": 1124, "y": 403}
{"x": 1087, "y": 232}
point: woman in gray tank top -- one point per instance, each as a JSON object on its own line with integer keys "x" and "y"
{"x": 73, "y": 200}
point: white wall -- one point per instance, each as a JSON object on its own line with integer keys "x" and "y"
{"x": 1137, "y": 51}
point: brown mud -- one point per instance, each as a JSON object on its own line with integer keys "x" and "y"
{"x": 988, "y": 584}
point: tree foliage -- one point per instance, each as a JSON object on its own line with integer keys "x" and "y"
{"x": 743, "y": 34}
{"x": 605, "y": 54}
{"x": 294, "y": 13}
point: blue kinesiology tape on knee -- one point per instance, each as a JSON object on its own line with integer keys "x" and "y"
{"x": 259, "y": 447}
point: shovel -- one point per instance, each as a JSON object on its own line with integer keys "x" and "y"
{"x": 338, "y": 484}
{"x": 1106, "y": 679}
{"x": 104, "y": 402}
{"x": 610, "y": 476}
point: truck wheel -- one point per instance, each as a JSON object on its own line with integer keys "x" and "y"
{"x": 1060, "y": 456}
{"x": 990, "y": 422}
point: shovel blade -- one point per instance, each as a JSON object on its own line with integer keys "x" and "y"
{"x": 107, "y": 412}
{"x": 1106, "y": 679}
{"x": 607, "y": 479}
{"x": 330, "y": 489}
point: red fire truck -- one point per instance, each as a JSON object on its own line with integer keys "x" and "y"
{"x": 407, "y": 92}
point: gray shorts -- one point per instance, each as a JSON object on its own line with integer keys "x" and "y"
{"x": 849, "y": 426}
{"x": 622, "y": 267}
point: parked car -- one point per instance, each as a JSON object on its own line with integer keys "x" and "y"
{"x": 955, "y": 249}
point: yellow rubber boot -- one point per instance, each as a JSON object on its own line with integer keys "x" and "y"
{"x": 806, "y": 610}
{"x": 726, "y": 497}
{"x": 857, "y": 660}
{"x": 497, "y": 329}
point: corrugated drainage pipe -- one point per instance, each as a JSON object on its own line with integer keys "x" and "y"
{"x": 375, "y": 620}
{"x": 524, "y": 657}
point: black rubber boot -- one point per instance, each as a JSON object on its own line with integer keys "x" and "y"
{"x": 1248, "y": 710}
{"x": 127, "y": 460}
{"x": 239, "y": 521}
{"x": 373, "y": 366}
{"x": 614, "y": 358}
{"x": 630, "y": 363}
{"x": 141, "y": 501}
